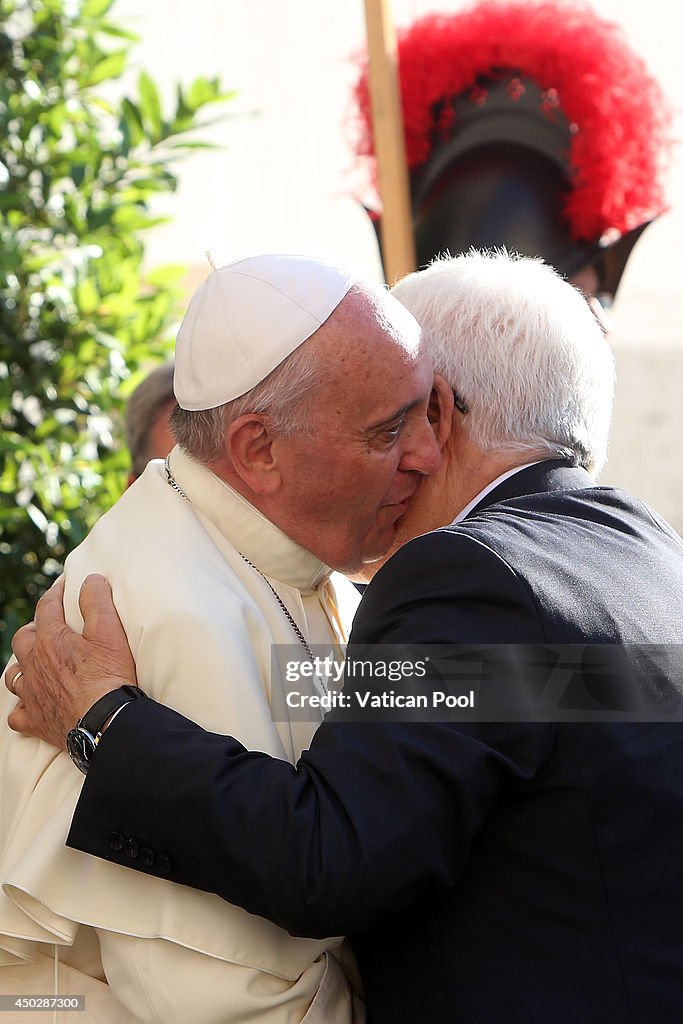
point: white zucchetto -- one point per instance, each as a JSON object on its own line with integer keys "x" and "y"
{"x": 246, "y": 318}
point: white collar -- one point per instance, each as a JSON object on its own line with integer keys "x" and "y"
{"x": 489, "y": 487}
{"x": 251, "y": 533}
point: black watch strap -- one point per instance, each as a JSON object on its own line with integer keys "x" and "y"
{"x": 82, "y": 740}
{"x": 104, "y": 708}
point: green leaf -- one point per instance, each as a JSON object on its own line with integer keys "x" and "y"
{"x": 150, "y": 106}
{"x": 11, "y": 200}
{"x": 78, "y": 174}
{"x": 193, "y": 145}
{"x": 205, "y": 90}
{"x": 168, "y": 274}
{"x": 87, "y": 297}
{"x": 133, "y": 118}
{"x": 117, "y": 32}
{"x": 130, "y": 218}
{"x": 111, "y": 67}
{"x": 96, "y": 8}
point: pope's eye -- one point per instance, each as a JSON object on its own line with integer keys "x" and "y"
{"x": 394, "y": 430}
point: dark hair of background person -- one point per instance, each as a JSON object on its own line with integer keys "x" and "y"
{"x": 148, "y": 434}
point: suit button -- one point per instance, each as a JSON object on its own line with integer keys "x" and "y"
{"x": 130, "y": 848}
{"x": 116, "y": 841}
{"x": 164, "y": 864}
{"x": 147, "y": 856}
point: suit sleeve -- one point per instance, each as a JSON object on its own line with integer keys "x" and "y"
{"x": 373, "y": 814}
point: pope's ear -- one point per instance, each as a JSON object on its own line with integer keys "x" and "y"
{"x": 249, "y": 443}
{"x": 440, "y": 410}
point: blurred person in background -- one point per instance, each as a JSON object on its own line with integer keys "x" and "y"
{"x": 148, "y": 432}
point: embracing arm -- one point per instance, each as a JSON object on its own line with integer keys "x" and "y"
{"x": 372, "y": 814}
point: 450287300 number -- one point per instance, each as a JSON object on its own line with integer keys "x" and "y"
{"x": 22, "y": 1002}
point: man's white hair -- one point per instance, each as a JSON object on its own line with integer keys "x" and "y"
{"x": 522, "y": 348}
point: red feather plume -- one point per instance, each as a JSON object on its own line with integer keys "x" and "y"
{"x": 621, "y": 134}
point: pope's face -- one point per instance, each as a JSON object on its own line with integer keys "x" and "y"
{"x": 348, "y": 482}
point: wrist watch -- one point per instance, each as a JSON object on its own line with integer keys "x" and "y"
{"x": 81, "y": 741}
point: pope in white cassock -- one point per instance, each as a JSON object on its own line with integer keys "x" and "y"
{"x": 302, "y": 433}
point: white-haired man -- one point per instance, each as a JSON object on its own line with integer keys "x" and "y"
{"x": 295, "y": 382}
{"x": 511, "y": 868}
{"x": 542, "y": 375}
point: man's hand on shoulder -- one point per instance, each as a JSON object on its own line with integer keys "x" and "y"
{"x": 60, "y": 673}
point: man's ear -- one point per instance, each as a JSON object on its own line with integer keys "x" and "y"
{"x": 249, "y": 444}
{"x": 440, "y": 410}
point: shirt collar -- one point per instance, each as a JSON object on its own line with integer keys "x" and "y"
{"x": 489, "y": 487}
{"x": 254, "y": 536}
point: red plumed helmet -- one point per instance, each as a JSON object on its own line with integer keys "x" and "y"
{"x": 531, "y": 125}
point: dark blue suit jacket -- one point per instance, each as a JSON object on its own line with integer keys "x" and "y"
{"x": 530, "y": 873}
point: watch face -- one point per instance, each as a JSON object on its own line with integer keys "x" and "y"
{"x": 81, "y": 746}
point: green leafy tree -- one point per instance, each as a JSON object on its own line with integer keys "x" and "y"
{"x": 79, "y": 319}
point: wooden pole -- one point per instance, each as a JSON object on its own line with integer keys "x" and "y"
{"x": 398, "y": 246}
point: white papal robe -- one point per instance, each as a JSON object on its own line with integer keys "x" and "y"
{"x": 200, "y": 622}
